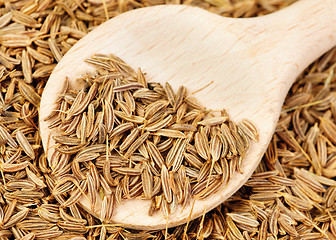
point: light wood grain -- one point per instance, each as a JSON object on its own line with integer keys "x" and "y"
{"x": 252, "y": 63}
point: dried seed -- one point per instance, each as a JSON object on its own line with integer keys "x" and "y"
{"x": 243, "y": 220}
{"x": 147, "y": 183}
{"x": 155, "y": 154}
{"x": 136, "y": 144}
{"x": 29, "y": 93}
{"x": 202, "y": 145}
{"x": 26, "y": 67}
{"x": 159, "y": 124}
{"x": 6, "y": 136}
{"x": 16, "y": 218}
{"x": 213, "y": 121}
{"x": 165, "y": 184}
{"x": 8, "y": 167}
{"x": 25, "y": 145}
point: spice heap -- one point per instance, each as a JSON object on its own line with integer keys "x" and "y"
{"x": 291, "y": 195}
{"x": 125, "y": 138}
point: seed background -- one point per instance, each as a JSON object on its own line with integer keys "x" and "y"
{"x": 282, "y": 200}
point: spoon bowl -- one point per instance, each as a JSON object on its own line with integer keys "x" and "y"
{"x": 250, "y": 63}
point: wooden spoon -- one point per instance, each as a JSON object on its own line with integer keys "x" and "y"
{"x": 252, "y": 63}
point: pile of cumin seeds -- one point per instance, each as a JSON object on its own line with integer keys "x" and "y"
{"x": 125, "y": 138}
{"x": 264, "y": 212}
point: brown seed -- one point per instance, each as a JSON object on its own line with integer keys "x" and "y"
{"x": 29, "y": 93}
{"x": 127, "y": 171}
{"x": 82, "y": 105}
{"x": 25, "y": 145}
{"x": 10, "y": 91}
{"x": 25, "y": 19}
{"x": 234, "y": 229}
{"x": 297, "y": 202}
{"x": 165, "y": 184}
{"x": 159, "y": 124}
{"x": 202, "y": 145}
{"x": 215, "y": 148}
{"x": 273, "y": 222}
{"x": 108, "y": 117}
{"x": 287, "y": 227}
{"x": 26, "y": 67}
{"x": 170, "y": 133}
{"x": 170, "y": 94}
{"x": 32, "y": 176}
{"x": 193, "y": 160}
{"x": 136, "y": 144}
{"x": 229, "y": 138}
{"x": 55, "y": 50}
{"x": 213, "y": 121}
{"x": 16, "y": 218}
{"x": 38, "y": 55}
{"x": 5, "y": 19}
{"x": 171, "y": 156}
{"x": 8, "y": 167}
{"x": 155, "y": 154}
{"x": 181, "y": 111}
{"x": 243, "y": 220}
{"x": 263, "y": 230}
{"x": 128, "y": 86}
{"x": 6, "y": 136}
{"x": 147, "y": 183}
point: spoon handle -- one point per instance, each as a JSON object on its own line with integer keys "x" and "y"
{"x": 293, "y": 38}
{"x": 307, "y": 29}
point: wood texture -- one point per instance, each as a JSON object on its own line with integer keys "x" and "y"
{"x": 252, "y": 63}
